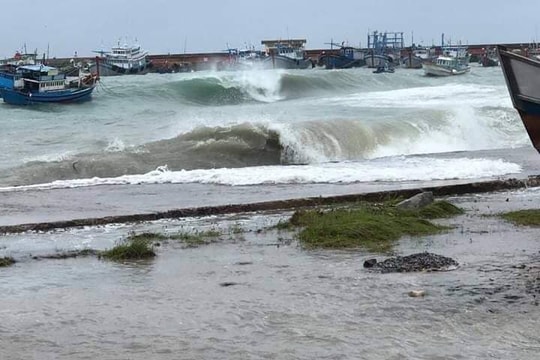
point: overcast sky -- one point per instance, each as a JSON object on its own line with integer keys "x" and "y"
{"x": 175, "y": 26}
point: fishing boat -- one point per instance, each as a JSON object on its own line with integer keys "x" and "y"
{"x": 347, "y": 57}
{"x": 522, "y": 75}
{"x": 8, "y": 67}
{"x": 454, "y": 60}
{"x": 35, "y": 84}
{"x": 242, "y": 59}
{"x": 122, "y": 60}
{"x": 289, "y": 54}
{"x": 416, "y": 56}
{"x": 489, "y": 58}
{"x": 384, "y": 49}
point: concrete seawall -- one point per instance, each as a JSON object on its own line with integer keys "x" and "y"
{"x": 102, "y": 209}
{"x": 178, "y": 62}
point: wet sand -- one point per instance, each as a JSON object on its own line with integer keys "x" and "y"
{"x": 283, "y": 301}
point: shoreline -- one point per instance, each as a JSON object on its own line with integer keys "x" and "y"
{"x": 278, "y": 204}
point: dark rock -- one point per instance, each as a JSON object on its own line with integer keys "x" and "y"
{"x": 370, "y": 263}
{"x": 416, "y": 262}
{"x": 227, "y": 284}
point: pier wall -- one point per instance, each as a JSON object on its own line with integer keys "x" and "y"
{"x": 212, "y": 60}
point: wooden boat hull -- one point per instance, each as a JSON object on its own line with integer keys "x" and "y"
{"x": 522, "y": 75}
{"x": 375, "y": 61}
{"x": 16, "y": 97}
{"x": 437, "y": 70}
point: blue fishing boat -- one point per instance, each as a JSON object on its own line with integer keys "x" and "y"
{"x": 8, "y": 74}
{"x": 347, "y": 57}
{"x": 8, "y": 68}
{"x": 35, "y": 84}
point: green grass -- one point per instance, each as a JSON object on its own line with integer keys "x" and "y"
{"x": 197, "y": 238}
{"x": 374, "y": 227}
{"x": 134, "y": 247}
{"x": 529, "y": 217}
{"x": 6, "y": 261}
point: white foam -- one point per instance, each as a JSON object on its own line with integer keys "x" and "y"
{"x": 390, "y": 169}
{"x": 428, "y": 97}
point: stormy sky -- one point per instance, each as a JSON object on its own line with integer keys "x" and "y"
{"x": 174, "y": 26}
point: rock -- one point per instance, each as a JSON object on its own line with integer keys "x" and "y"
{"x": 416, "y": 262}
{"x": 417, "y": 293}
{"x": 417, "y": 201}
{"x": 370, "y": 263}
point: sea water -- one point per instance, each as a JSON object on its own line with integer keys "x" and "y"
{"x": 271, "y": 126}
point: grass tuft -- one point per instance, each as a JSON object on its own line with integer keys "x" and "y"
{"x": 375, "y": 227}
{"x": 6, "y": 261}
{"x": 197, "y": 238}
{"x": 134, "y": 247}
{"x": 530, "y": 217}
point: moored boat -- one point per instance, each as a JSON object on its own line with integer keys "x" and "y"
{"x": 416, "y": 56}
{"x": 242, "y": 59}
{"x": 34, "y": 84}
{"x": 454, "y": 60}
{"x": 489, "y": 58}
{"x": 288, "y": 54}
{"x": 122, "y": 60}
{"x": 8, "y": 67}
{"x": 522, "y": 75}
{"x": 347, "y": 57}
{"x": 384, "y": 49}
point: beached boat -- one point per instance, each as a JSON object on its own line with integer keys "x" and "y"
{"x": 347, "y": 57}
{"x": 34, "y": 84}
{"x": 289, "y": 54}
{"x": 522, "y": 75}
{"x": 122, "y": 60}
{"x": 454, "y": 60}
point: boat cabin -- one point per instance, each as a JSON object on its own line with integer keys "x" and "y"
{"x": 293, "y": 49}
{"x": 446, "y": 61}
{"x": 351, "y": 53}
{"x": 39, "y": 78}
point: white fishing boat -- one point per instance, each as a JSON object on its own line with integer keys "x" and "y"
{"x": 122, "y": 60}
{"x": 454, "y": 60}
{"x": 286, "y": 54}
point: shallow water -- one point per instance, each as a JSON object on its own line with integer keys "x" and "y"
{"x": 284, "y": 302}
